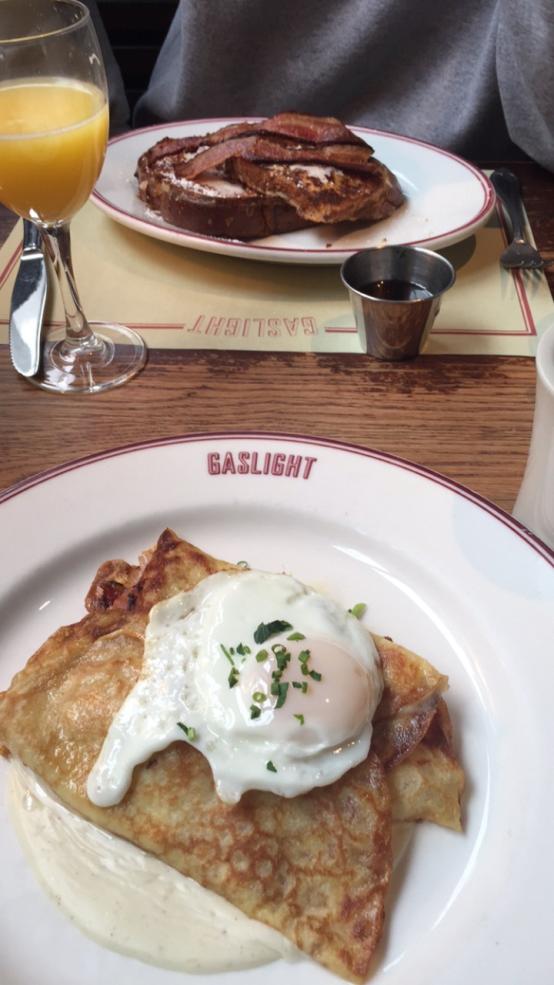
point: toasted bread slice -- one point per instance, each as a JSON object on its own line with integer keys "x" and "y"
{"x": 252, "y": 180}
{"x": 213, "y": 205}
{"x": 325, "y": 193}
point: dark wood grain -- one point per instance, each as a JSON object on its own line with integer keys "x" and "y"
{"x": 468, "y": 417}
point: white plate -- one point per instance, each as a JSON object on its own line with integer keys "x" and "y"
{"x": 447, "y": 199}
{"x": 442, "y": 571}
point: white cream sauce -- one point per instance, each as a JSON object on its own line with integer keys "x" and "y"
{"x": 127, "y": 900}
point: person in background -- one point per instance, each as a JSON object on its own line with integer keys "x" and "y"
{"x": 472, "y": 76}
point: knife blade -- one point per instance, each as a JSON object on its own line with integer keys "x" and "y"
{"x": 27, "y": 304}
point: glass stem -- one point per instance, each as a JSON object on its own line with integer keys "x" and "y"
{"x": 58, "y": 245}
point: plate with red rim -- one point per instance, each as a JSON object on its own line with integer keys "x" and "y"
{"x": 447, "y": 200}
{"x": 441, "y": 570}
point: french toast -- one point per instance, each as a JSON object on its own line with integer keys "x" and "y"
{"x": 251, "y": 180}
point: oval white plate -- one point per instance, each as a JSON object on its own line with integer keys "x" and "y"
{"x": 442, "y": 571}
{"x": 447, "y": 199}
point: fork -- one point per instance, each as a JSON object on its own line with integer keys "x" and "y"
{"x": 519, "y": 253}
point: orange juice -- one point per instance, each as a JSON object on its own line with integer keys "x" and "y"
{"x": 53, "y": 136}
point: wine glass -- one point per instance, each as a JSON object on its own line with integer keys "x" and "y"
{"x": 53, "y": 135}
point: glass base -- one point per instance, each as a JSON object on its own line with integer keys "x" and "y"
{"x": 112, "y": 357}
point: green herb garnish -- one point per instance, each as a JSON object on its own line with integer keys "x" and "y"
{"x": 296, "y": 636}
{"x": 267, "y": 629}
{"x": 358, "y": 610}
{"x": 243, "y": 650}
{"x": 258, "y": 696}
{"x": 314, "y": 675}
{"x": 303, "y": 686}
{"x": 233, "y": 676}
{"x": 242, "y": 564}
{"x": 261, "y": 656}
{"x": 189, "y": 731}
{"x": 228, "y": 654}
{"x": 269, "y": 766}
{"x": 282, "y": 693}
{"x": 255, "y": 711}
{"x": 300, "y": 718}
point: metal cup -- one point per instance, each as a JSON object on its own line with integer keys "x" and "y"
{"x": 396, "y": 329}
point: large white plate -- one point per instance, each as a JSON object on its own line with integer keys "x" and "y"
{"x": 442, "y": 571}
{"x": 447, "y": 199}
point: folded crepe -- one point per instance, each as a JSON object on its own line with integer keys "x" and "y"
{"x": 315, "y": 867}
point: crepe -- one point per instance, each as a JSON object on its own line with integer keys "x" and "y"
{"x": 315, "y": 867}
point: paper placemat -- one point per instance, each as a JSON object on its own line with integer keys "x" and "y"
{"x": 179, "y": 298}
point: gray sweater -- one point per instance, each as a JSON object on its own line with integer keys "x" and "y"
{"x": 474, "y": 76}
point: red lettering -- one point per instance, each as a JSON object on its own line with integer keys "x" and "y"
{"x": 291, "y": 325}
{"x": 197, "y": 327}
{"x": 213, "y": 463}
{"x": 246, "y": 327}
{"x": 293, "y": 465}
{"x": 309, "y": 326}
{"x": 260, "y": 322}
{"x": 243, "y": 467}
{"x": 232, "y": 326}
{"x": 248, "y": 463}
{"x": 214, "y": 325}
{"x": 228, "y": 464}
{"x": 273, "y": 326}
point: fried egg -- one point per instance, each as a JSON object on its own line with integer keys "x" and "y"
{"x": 273, "y": 682}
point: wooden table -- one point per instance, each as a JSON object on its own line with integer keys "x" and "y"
{"x": 466, "y": 416}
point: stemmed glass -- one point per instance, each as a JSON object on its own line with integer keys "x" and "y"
{"x": 53, "y": 135}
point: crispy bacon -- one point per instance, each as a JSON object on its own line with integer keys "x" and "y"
{"x": 319, "y": 130}
{"x": 347, "y": 156}
{"x": 313, "y": 129}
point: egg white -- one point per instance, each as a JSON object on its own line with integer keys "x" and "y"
{"x": 206, "y": 681}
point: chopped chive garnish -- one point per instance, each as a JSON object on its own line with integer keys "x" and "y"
{"x": 267, "y": 629}
{"x": 358, "y": 610}
{"x": 300, "y": 718}
{"x": 227, "y": 654}
{"x": 275, "y": 687}
{"x": 255, "y": 712}
{"x": 304, "y": 656}
{"x": 189, "y": 731}
{"x": 243, "y": 650}
{"x": 242, "y": 564}
{"x": 258, "y": 696}
{"x": 296, "y": 684}
{"x": 296, "y": 636}
{"x": 314, "y": 675}
{"x": 269, "y": 766}
{"x": 233, "y": 677}
{"x": 278, "y": 648}
{"x": 304, "y": 687}
{"x": 261, "y": 656}
{"x": 283, "y": 688}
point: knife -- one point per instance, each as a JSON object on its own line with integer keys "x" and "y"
{"x": 28, "y": 299}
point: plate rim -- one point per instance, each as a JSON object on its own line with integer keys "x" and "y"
{"x": 178, "y": 236}
{"x": 423, "y": 471}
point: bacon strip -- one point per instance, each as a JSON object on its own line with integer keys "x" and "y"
{"x": 310, "y": 129}
{"x": 348, "y": 156}
{"x": 313, "y": 129}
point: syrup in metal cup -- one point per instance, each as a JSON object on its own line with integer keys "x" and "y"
{"x": 396, "y": 293}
